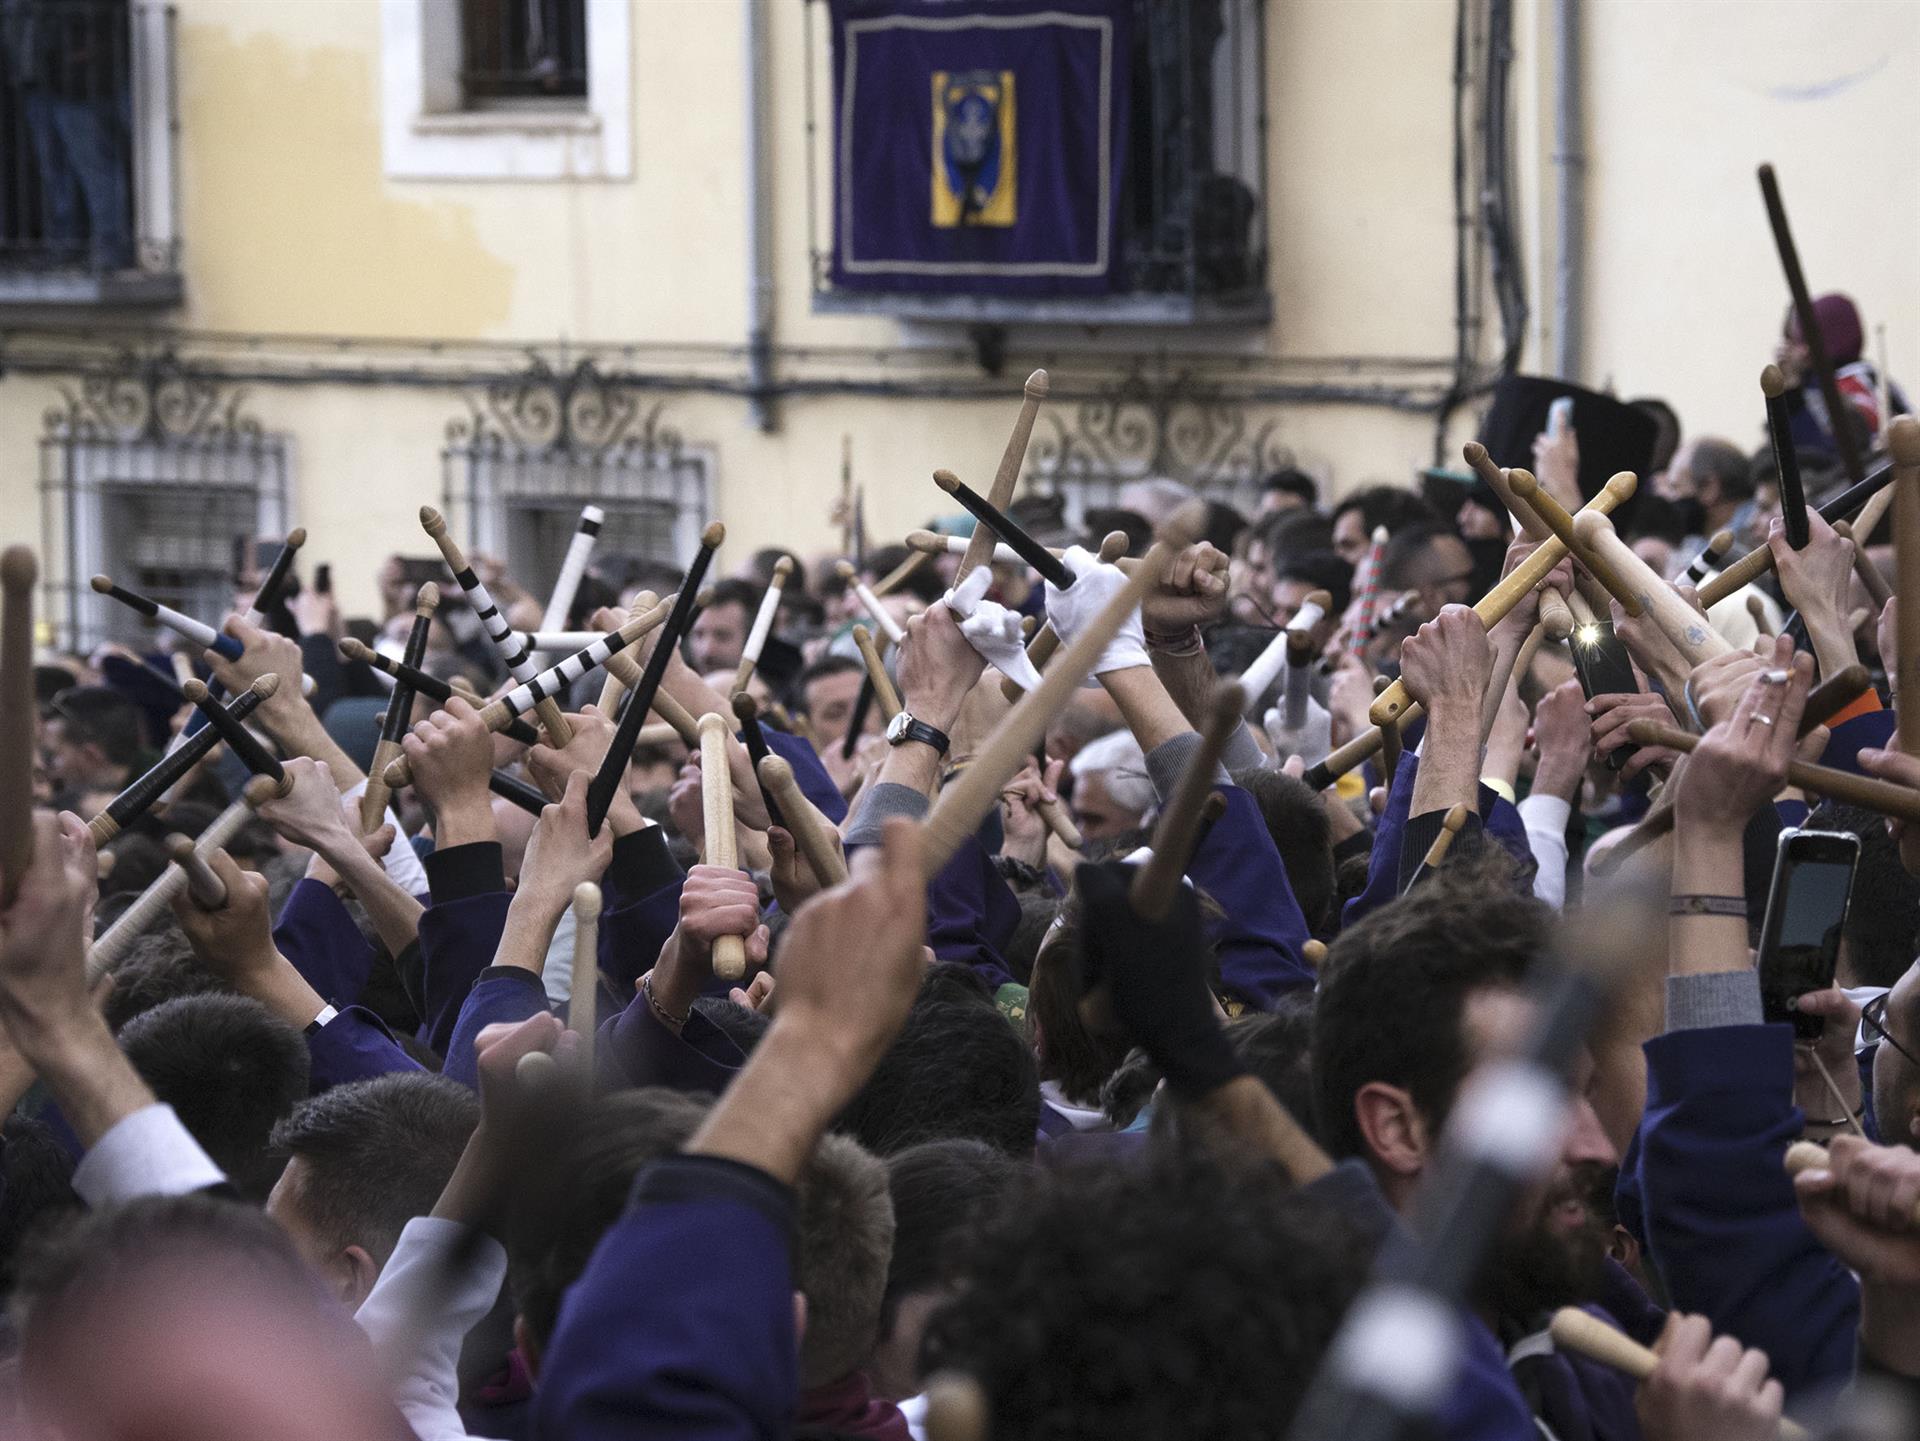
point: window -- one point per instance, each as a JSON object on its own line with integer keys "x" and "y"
{"x": 507, "y": 89}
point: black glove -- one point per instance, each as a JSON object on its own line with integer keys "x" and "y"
{"x": 1156, "y": 973}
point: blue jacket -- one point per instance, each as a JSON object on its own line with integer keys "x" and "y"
{"x": 1257, "y": 941}
{"x": 316, "y": 932}
{"x": 459, "y": 932}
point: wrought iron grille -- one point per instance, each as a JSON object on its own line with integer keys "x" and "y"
{"x": 520, "y": 465}
{"x": 521, "y": 52}
{"x": 156, "y": 478}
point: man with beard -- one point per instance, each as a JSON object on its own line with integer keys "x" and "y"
{"x": 1411, "y": 1000}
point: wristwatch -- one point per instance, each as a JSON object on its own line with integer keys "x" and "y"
{"x": 903, "y": 728}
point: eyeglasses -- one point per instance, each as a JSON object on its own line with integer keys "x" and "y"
{"x": 1874, "y": 1018}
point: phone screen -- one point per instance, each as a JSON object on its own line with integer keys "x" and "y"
{"x": 1806, "y": 913}
{"x": 1601, "y": 661}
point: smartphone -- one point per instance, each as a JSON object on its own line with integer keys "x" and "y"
{"x": 1806, "y": 911}
{"x": 1601, "y": 661}
{"x": 1560, "y": 416}
{"x": 323, "y": 579}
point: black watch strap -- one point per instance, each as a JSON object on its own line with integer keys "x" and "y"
{"x": 916, "y": 730}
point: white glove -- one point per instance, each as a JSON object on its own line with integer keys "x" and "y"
{"x": 990, "y": 628}
{"x": 1072, "y": 609}
{"x": 1311, "y": 742}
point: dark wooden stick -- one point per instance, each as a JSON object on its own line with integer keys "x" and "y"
{"x": 257, "y": 759}
{"x": 19, "y": 571}
{"x": 1837, "y": 411}
{"x": 1036, "y": 555}
{"x": 141, "y": 793}
{"x": 1786, "y": 462}
{"x": 1178, "y": 831}
{"x": 1000, "y": 493}
{"x": 1758, "y": 561}
{"x": 1903, "y": 441}
{"x": 386, "y": 750}
{"x": 430, "y": 686}
{"x": 1878, "y": 591}
{"x": 1856, "y": 790}
{"x": 746, "y": 710}
{"x": 516, "y": 791}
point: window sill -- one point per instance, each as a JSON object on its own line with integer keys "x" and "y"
{"x": 507, "y": 122}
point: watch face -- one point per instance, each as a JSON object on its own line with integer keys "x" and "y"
{"x": 897, "y": 727}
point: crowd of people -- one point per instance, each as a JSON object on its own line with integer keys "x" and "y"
{"x": 981, "y": 1142}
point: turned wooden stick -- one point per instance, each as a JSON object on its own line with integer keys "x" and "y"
{"x": 899, "y": 575}
{"x": 988, "y": 516}
{"x": 1758, "y": 561}
{"x": 1060, "y": 821}
{"x": 1493, "y": 607}
{"x": 1757, "y": 612}
{"x": 1455, "y": 819}
{"x": 676, "y": 716}
{"x": 883, "y": 691}
{"x": 112, "y": 944}
{"x": 142, "y": 793}
{"x": 882, "y": 617}
{"x": 1856, "y": 790}
{"x": 1314, "y": 953}
{"x": 1046, "y": 640}
{"x": 1786, "y": 461}
{"x": 1363, "y": 747}
{"x": 1554, "y": 516}
{"x": 762, "y": 623}
{"x": 1585, "y": 1334}
{"x": 253, "y": 755}
{"x": 1553, "y": 604}
{"x": 812, "y": 833}
{"x": 1812, "y": 1156}
{"x": 1291, "y": 649}
{"x": 1178, "y": 831}
{"x": 206, "y": 888}
{"x": 966, "y": 802}
{"x": 957, "y": 1406}
{"x": 18, "y": 573}
{"x": 432, "y": 687}
{"x": 1000, "y": 493}
{"x": 583, "y": 1001}
{"x": 386, "y": 750}
{"x": 716, "y": 805}
{"x": 611, "y": 618}
{"x": 514, "y": 650}
{"x": 1903, "y": 441}
{"x": 927, "y": 542}
{"x": 1692, "y": 633}
{"x": 1878, "y": 591}
{"x": 1708, "y": 561}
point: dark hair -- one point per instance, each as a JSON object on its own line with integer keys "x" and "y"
{"x": 1393, "y": 989}
{"x": 139, "y": 856}
{"x": 940, "y": 1189}
{"x": 1883, "y": 922}
{"x": 743, "y": 593}
{"x": 102, "y": 715}
{"x": 376, "y": 1153}
{"x": 1409, "y": 543}
{"x": 925, "y": 582}
{"x": 231, "y": 1069}
{"x": 159, "y": 966}
{"x": 741, "y": 1025}
{"x": 828, "y": 665}
{"x": 1666, "y": 436}
{"x": 1102, "y": 521}
{"x": 1223, "y": 526}
{"x": 1296, "y": 818}
{"x": 1658, "y": 518}
{"x": 1725, "y": 462}
{"x": 762, "y": 562}
{"x": 37, "y": 1172}
{"x": 1174, "y": 1301}
{"x": 1323, "y": 569}
{"x": 1292, "y": 481}
{"x": 1073, "y": 1055}
{"x": 957, "y": 1069}
{"x": 1387, "y": 505}
{"x": 1277, "y": 1046}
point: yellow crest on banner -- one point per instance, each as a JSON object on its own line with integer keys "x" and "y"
{"x": 973, "y": 148}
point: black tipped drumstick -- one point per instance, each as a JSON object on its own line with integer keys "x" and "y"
{"x": 138, "y": 798}
{"x": 1838, "y": 413}
{"x": 1786, "y": 463}
{"x": 862, "y": 704}
{"x": 746, "y": 710}
{"x": 613, "y": 766}
{"x": 511, "y": 788}
{"x": 19, "y": 570}
{"x": 373, "y": 800}
{"x": 1043, "y": 561}
{"x": 432, "y": 687}
{"x": 257, "y": 759}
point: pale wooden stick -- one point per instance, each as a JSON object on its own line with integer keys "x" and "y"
{"x": 1878, "y": 591}
{"x": 112, "y": 944}
{"x": 965, "y": 803}
{"x": 926, "y": 542}
{"x": 676, "y": 716}
{"x": 1554, "y": 613}
{"x": 957, "y": 1407}
{"x": 1587, "y": 1335}
{"x": 1000, "y": 493}
{"x": 1314, "y": 953}
{"x": 209, "y": 892}
{"x": 812, "y": 833}
{"x": 1450, "y": 827}
{"x": 1692, "y": 633}
{"x": 583, "y": 1003}
{"x": 18, "y": 572}
{"x": 1493, "y": 607}
{"x": 762, "y": 623}
{"x": 716, "y": 804}
{"x": 1554, "y": 516}
{"x": 1757, "y": 611}
{"x": 899, "y": 575}
{"x": 613, "y": 687}
{"x": 1178, "y": 831}
{"x": 884, "y": 694}
{"x": 1060, "y": 821}
{"x": 1903, "y": 440}
{"x": 882, "y": 617}
{"x": 1864, "y": 791}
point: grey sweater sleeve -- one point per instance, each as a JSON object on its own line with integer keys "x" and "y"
{"x": 882, "y": 804}
{"x": 1168, "y": 759}
{"x": 1720, "y": 998}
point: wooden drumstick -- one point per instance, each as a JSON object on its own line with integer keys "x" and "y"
{"x": 1692, "y": 633}
{"x": 1855, "y": 790}
{"x": 989, "y": 516}
{"x": 762, "y": 623}
{"x": 1060, "y": 821}
{"x": 812, "y": 832}
{"x": 1708, "y": 561}
{"x": 882, "y": 617}
{"x": 1903, "y": 440}
{"x": 209, "y": 892}
{"x": 1786, "y": 461}
{"x": 1000, "y": 493}
{"x": 1493, "y": 607}
{"x": 144, "y": 792}
{"x": 399, "y": 720}
{"x": 583, "y": 1002}
{"x": 966, "y": 802}
{"x": 1455, "y": 820}
{"x": 1389, "y": 736}
{"x": 112, "y": 944}
{"x": 1178, "y": 831}
{"x": 18, "y": 573}
{"x": 716, "y": 805}
{"x": 676, "y": 716}
{"x": 1046, "y": 640}
{"x": 1314, "y": 953}
{"x": 1757, "y": 610}
{"x": 927, "y": 542}
{"x": 1811, "y": 1156}
{"x": 1758, "y": 561}
{"x": 1554, "y": 516}
{"x": 1554, "y": 614}
{"x": 513, "y": 649}
{"x": 257, "y": 759}
{"x": 1878, "y": 591}
{"x": 899, "y": 575}
{"x": 883, "y": 691}
{"x": 1585, "y": 1334}
{"x": 957, "y": 1408}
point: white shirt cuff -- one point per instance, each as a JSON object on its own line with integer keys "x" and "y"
{"x": 402, "y": 863}
{"x": 1546, "y": 812}
{"x": 148, "y": 1153}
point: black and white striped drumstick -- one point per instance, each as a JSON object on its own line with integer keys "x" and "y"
{"x": 430, "y": 686}
{"x": 197, "y": 631}
{"x": 141, "y": 793}
{"x": 567, "y": 584}
{"x": 554, "y": 680}
{"x": 515, "y": 652}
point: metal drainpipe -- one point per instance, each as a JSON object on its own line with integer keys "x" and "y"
{"x": 1570, "y": 159}
{"x": 759, "y": 222}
